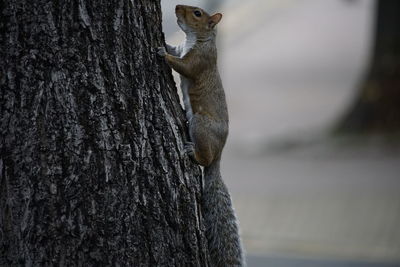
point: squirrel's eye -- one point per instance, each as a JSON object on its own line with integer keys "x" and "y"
{"x": 197, "y": 13}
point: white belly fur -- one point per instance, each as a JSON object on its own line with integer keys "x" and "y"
{"x": 185, "y": 83}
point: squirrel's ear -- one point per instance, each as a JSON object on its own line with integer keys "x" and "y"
{"x": 214, "y": 19}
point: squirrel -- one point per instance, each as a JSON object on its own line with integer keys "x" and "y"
{"x": 207, "y": 115}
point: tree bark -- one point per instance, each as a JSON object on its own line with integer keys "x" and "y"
{"x": 92, "y": 169}
{"x": 377, "y": 108}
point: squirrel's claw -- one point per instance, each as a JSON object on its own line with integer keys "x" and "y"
{"x": 161, "y": 51}
{"x": 189, "y": 149}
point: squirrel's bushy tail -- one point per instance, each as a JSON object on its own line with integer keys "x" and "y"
{"x": 222, "y": 229}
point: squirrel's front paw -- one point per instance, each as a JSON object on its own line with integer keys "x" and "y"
{"x": 161, "y": 51}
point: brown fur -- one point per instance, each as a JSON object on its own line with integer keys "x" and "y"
{"x": 209, "y": 125}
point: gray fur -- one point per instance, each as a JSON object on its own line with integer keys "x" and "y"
{"x": 222, "y": 230}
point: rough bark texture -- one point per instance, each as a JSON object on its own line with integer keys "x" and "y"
{"x": 92, "y": 171}
{"x": 377, "y": 109}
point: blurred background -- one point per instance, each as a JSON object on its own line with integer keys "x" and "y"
{"x": 313, "y": 156}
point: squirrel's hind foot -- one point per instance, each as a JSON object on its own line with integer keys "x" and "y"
{"x": 189, "y": 150}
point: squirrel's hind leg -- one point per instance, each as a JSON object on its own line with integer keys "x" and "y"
{"x": 202, "y": 138}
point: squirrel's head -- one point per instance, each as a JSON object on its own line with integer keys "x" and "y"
{"x": 194, "y": 19}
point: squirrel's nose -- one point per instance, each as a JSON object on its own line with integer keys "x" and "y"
{"x": 178, "y": 7}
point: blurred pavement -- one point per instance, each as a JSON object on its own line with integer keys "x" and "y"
{"x": 287, "y": 262}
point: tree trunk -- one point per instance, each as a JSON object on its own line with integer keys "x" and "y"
{"x": 92, "y": 169}
{"x": 377, "y": 109}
